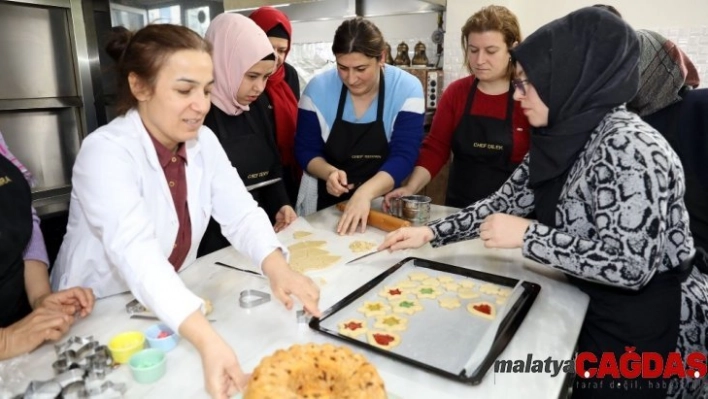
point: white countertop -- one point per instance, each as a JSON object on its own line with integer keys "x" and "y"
{"x": 550, "y": 328}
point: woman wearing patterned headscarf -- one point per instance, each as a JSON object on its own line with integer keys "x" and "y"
{"x": 243, "y": 62}
{"x": 283, "y": 91}
{"x": 608, "y": 193}
{"x": 667, "y": 101}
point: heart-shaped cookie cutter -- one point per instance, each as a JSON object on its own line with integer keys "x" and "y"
{"x": 42, "y": 390}
{"x": 252, "y": 298}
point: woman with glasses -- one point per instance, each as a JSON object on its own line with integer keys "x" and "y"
{"x": 241, "y": 119}
{"x": 608, "y": 191}
{"x": 359, "y": 127}
{"x": 477, "y": 118}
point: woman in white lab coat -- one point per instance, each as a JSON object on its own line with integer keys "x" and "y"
{"x": 145, "y": 186}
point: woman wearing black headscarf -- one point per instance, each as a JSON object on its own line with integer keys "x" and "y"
{"x": 669, "y": 101}
{"x": 608, "y": 193}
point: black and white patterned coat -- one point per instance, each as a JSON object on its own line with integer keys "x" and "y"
{"x": 621, "y": 219}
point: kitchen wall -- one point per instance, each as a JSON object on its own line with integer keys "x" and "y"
{"x": 312, "y": 40}
{"x": 682, "y": 21}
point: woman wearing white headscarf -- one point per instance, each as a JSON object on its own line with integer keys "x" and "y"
{"x": 240, "y": 117}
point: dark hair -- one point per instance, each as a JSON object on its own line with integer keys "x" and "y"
{"x": 492, "y": 18}
{"x": 358, "y": 35}
{"x": 609, "y": 8}
{"x": 144, "y": 53}
{"x": 269, "y": 57}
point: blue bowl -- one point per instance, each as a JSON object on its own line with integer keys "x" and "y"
{"x": 160, "y": 336}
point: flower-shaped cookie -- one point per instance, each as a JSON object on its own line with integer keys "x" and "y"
{"x": 445, "y": 279}
{"x": 451, "y": 286}
{"x": 468, "y": 293}
{"x": 418, "y": 276}
{"x": 405, "y": 284}
{"x": 407, "y": 306}
{"x": 427, "y": 292}
{"x": 449, "y": 302}
{"x": 393, "y": 292}
{"x": 467, "y": 283}
{"x": 391, "y": 323}
{"x": 489, "y": 289}
{"x": 352, "y": 328}
{"x": 374, "y": 308}
{"x": 430, "y": 282}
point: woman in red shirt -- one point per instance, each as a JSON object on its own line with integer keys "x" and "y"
{"x": 477, "y": 118}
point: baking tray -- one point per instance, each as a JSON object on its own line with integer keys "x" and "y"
{"x": 449, "y": 342}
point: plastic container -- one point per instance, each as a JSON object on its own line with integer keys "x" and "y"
{"x": 125, "y": 345}
{"x": 160, "y": 336}
{"x": 148, "y": 365}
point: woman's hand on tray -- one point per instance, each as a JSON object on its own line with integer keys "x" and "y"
{"x": 407, "y": 237}
{"x": 503, "y": 231}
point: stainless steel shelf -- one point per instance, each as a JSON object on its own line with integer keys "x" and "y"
{"x": 40, "y": 103}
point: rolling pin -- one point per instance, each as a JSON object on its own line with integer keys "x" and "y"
{"x": 380, "y": 220}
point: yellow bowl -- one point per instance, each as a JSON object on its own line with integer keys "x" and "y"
{"x": 125, "y": 345}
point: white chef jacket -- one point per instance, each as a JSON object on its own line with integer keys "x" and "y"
{"x": 123, "y": 224}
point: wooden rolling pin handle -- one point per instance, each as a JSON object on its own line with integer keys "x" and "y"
{"x": 380, "y": 220}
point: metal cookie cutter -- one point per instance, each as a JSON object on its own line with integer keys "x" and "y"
{"x": 134, "y": 307}
{"x": 302, "y": 317}
{"x": 42, "y": 390}
{"x": 252, "y": 298}
{"x": 84, "y": 390}
{"x": 91, "y": 357}
{"x": 75, "y": 340}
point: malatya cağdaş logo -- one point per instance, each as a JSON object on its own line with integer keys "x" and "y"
{"x": 630, "y": 365}
{"x": 647, "y": 365}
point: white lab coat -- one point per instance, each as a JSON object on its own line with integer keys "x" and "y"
{"x": 123, "y": 224}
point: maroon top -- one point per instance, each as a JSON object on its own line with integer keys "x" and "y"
{"x": 174, "y": 166}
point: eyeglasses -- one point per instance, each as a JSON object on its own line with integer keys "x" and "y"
{"x": 520, "y": 85}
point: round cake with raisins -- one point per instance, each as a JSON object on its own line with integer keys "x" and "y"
{"x": 315, "y": 371}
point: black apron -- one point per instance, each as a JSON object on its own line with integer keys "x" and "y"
{"x": 481, "y": 148}
{"x": 252, "y": 152}
{"x": 15, "y": 234}
{"x": 359, "y": 149}
{"x": 618, "y": 318}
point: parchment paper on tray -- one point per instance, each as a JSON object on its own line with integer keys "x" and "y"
{"x": 442, "y": 318}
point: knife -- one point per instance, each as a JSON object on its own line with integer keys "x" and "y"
{"x": 362, "y": 257}
{"x": 148, "y": 317}
{"x": 239, "y": 269}
{"x": 263, "y": 184}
